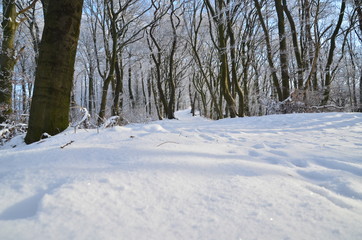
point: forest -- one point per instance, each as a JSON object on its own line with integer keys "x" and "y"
{"x": 140, "y": 60}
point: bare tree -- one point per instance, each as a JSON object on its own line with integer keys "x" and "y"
{"x": 8, "y": 55}
{"x": 283, "y": 49}
{"x": 54, "y": 76}
{"x": 358, "y": 6}
{"x": 327, "y": 70}
{"x": 272, "y": 67}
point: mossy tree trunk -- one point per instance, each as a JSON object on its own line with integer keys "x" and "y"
{"x": 7, "y": 58}
{"x": 49, "y": 111}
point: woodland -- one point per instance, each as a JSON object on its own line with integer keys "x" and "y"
{"x": 100, "y": 62}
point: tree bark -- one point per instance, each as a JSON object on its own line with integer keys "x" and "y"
{"x": 171, "y": 67}
{"x": 45, "y": 6}
{"x": 298, "y": 56}
{"x": 156, "y": 58}
{"x": 217, "y": 14}
{"x": 283, "y": 51}
{"x": 269, "y": 52}
{"x": 49, "y": 111}
{"x": 233, "y": 54}
{"x": 328, "y": 76}
{"x": 7, "y": 58}
{"x": 130, "y": 90}
{"x": 112, "y": 64}
{"x": 358, "y": 4}
{"x": 118, "y": 93}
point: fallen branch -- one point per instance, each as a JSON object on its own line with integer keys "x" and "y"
{"x": 66, "y": 144}
{"x": 166, "y": 142}
{"x": 327, "y": 106}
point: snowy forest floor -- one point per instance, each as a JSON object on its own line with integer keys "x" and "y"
{"x": 296, "y": 176}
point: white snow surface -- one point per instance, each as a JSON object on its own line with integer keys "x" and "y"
{"x": 296, "y": 176}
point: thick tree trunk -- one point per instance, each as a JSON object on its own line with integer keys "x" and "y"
{"x": 45, "y": 6}
{"x": 49, "y": 111}
{"x": 7, "y": 58}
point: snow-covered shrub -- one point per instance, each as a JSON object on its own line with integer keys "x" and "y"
{"x": 111, "y": 122}
{"x": 80, "y": 118}
{"x": 8, "y": 130}
{"x": 300, "y": 101}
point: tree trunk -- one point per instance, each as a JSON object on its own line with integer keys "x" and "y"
{"x": 328, "y": 76}
{"x": 269, "y": 51}
{"x": 298, "y": 56}
{"x": 91, "y": 95}
{"x": 217, "y": 14}
{"x": 143, "y": 90}
{"x": 311, "y": 48}
{"x": 7, "y": 58}
{"x": 154, "y": 91}
{"x": 234, "y": 77}
{"x": 283, "y": 51}
{"x": 110, "y": 77}
{"x": 118, "y": 93}
{"x": 49, "y": 111}
{"x": 358, "y": 4}
{"x": 360, "y": 94}
{"x": 171, "y": 66}
{"x": 156, "y": 58}
{"x": 130, "y": 90}
{"x": 149, "y": 88}
{"x": 45, "y": 6}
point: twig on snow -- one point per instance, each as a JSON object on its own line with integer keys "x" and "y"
{"x": 166, "y": 142}
{"x": 66, "y": 144}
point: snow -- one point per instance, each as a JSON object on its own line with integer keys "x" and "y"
{"x": 296, "y": 176}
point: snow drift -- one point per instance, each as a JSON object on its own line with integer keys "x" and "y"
{"x": 296, "y": 176}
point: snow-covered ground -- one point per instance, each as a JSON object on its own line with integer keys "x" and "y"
{"x": 284, "y": 177}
